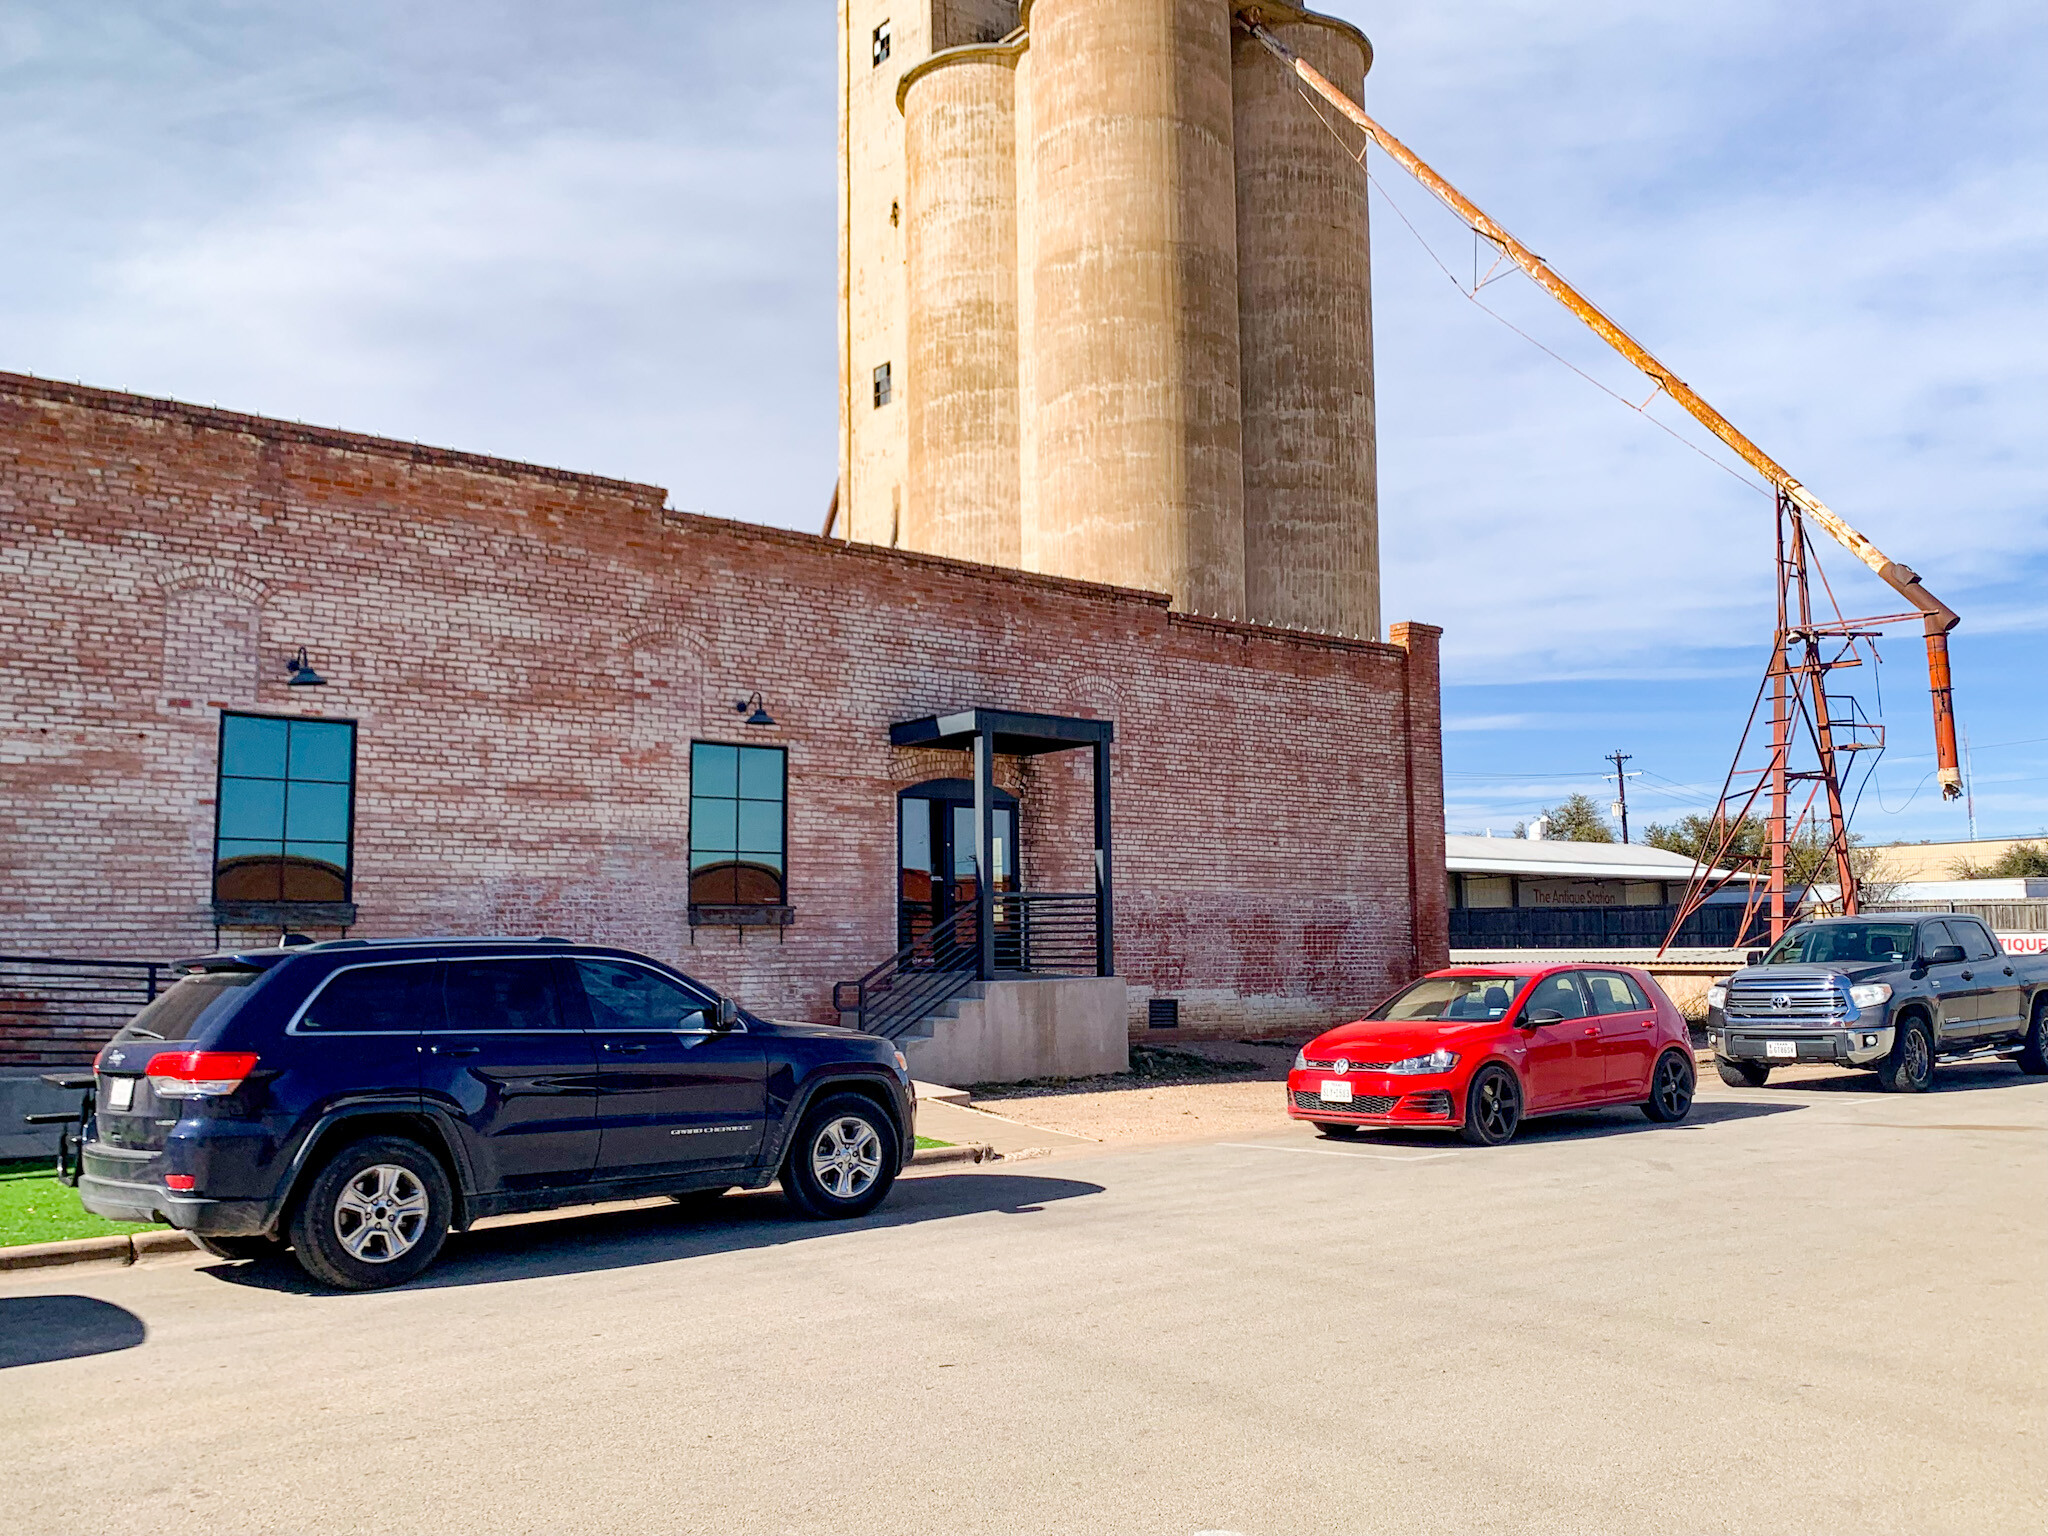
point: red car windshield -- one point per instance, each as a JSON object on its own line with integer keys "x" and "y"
{"x": 1453, "y": 999}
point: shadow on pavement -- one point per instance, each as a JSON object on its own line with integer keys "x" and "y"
{"x": 619, "y": 1239}
{"x": 1576, "y": 1125}
{"x": 1960, "y": 1077}
{"x": 36, "y": 1329}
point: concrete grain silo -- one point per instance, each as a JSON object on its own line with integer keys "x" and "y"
{"x": 1304, "y": 284}
{"x": 1125, "y": 334}
{"x": 961, "y": 383}
{"x": 1134, "y": 409}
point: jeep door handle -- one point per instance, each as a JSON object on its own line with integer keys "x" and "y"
{"x": 454, "y": 1050}
{"x": 625, "y": 1047}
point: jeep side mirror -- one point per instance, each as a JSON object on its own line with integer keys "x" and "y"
{"x": 1945, "y": 954}
{"x": 728, "y": 1014}
{"x": 1536, "y": 1018}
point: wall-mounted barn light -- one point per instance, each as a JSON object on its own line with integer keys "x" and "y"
{"x": 299, "y": 673}
{"x": 760, "y": 715}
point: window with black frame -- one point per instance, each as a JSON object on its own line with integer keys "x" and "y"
{"x": 738, "y": 814}
{"x": 284, "y": 817}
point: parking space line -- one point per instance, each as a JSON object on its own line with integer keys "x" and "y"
{"x": 1381, "y": 1157}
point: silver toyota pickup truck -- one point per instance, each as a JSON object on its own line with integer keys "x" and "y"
{"x": 1892, "y": 994}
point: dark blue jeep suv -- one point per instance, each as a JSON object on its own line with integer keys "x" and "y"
{"x": 357, "y": 1099}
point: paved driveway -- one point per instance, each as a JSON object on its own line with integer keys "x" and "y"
{"x": 1811, "y": 1309}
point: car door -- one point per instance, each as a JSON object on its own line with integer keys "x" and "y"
{"x": 1628, "y": 1034}
{"x": 675, "y": 1094}
{"x": 1954, "y": 997}
{"x": 515, "y": 1071}
{"x": 1996, "y": 993}
{"x": 1562, "y": 1057}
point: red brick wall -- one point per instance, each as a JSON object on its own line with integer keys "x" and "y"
{"x": 530, "y": 652}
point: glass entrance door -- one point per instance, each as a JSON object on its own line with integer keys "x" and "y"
{"x": 936, "y": 845}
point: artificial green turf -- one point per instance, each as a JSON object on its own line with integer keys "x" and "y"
{"x": 35, "y": 1208}
{"x": 927, "y": 1141}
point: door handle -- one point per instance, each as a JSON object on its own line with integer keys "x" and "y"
{"x": 625, "y": 1047}
{"x": 454, "y": 1050}
{"x": 1592, "y": 1029}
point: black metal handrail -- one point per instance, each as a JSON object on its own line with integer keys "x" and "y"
{"x": 1033, "y": 933}
{"x": 919, "y": 979}
{"x": 58, "y": 1012}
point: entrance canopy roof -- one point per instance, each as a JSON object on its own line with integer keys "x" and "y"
{"x": 1015, "y": 734}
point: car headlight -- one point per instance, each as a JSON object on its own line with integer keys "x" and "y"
{"x": 1717, "y": 995}
{"x": 1301, "y": 1060}
{"x": 1435, "y": 1061}
{"x": 1872, "y": 994}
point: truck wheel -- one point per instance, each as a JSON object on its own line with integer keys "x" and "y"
{"x": 1671, "y": 1088}
{"x": 2034, "y": 1048}
{"x": 1493, "y": 1107}
{"x": 1743, "y": 1074}
{"x": 842, "y": 1160}
{"x": 375, "y": 1214}
{"x": 1910, "y": 1067}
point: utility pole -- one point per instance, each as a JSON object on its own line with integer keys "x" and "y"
{"x": 1618, "y": 757}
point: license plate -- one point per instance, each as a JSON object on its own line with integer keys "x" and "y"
{"x": 1781, "y": 1047}
{"x": 1336, "y": 1092}
{"x": 120, "y": 1092}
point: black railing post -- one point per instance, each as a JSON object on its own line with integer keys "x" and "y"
{"x": 985, "y": 839}
{"x": 1105, "y": 938}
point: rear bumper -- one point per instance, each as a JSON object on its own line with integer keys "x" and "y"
{"x": 118, "y": 1186}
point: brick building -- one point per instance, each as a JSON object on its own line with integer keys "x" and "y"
{"x": 520, "y": 665}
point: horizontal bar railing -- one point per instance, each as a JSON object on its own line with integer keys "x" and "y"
{"x": 58, "y": 1011}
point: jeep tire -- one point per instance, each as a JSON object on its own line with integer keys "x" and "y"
{"x": 374, "y": 1215}
{"x": 843, "y": 1158}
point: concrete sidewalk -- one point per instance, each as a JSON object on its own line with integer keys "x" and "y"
{"x": 962, "y": 1126}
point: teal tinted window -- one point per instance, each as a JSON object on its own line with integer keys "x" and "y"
{"x": 738, "y": 816}
{"x": 285, "y": 812}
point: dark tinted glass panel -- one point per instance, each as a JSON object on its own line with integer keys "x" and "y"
{"x": 760, "y": 773}
{"x": 714, "y": 824}
{"x": 249, "y": 872}
{"x": 316, "y": 812}
{"x": 377, "y": 999}
{"x": 1933, "y": 936}
{"x": 191, "y": 1001}
{"x": 1613, "y": 992}
{"x": 253, "y": 748}
{"x": 321, "y": 749}
{"x": 251, "y": 808}
{"x": 1560, "y": 995}
{"x": 1975, "y": 941}
{"x": 632, "y": 997}
{"x": 715, "y": 884}
{"x": 760, "y": 826}
{"x": 502, "y": 994}
{"x": 314, "y": 872}
{"x": 714, "y": 770}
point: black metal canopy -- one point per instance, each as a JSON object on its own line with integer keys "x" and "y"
{"x": 1012, "y": 732}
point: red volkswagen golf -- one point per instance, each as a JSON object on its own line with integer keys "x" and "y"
{"x": 1480, "y": 1049}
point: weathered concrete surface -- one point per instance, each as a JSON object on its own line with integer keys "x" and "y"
{"x": 1068, "y": 1026}
{"x": 1801, "y": 1312}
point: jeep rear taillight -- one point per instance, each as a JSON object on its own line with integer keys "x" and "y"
{"x": 199, "y": 1074}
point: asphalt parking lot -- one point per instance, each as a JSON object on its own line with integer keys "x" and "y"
{"x": 1810, "y": 1308}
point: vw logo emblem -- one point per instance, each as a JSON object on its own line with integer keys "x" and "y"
{"x": 1781, "y": 1002}
{"x": 1340, "y": 1065}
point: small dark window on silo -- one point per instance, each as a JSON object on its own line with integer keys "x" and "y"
{"x": 1162, "y": 1013}
{"x": 882, "y": 390}
{"x": 881, "y": 44}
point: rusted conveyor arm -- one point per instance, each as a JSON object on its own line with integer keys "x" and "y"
{"x": 1939, "y": 619}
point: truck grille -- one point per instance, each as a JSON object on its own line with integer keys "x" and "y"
{"x": 1793, "y": 1000}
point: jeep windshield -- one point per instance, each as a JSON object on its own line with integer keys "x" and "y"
{"x": 1844, "y": 944}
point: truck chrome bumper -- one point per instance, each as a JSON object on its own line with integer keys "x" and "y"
{"x": 1848, "y": 1045}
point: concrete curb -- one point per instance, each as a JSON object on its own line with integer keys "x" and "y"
{"x": 931, "y": 1155}
{"x": 119, "y": 1249}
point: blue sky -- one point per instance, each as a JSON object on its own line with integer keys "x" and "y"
{"x": 602, "y": 237}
